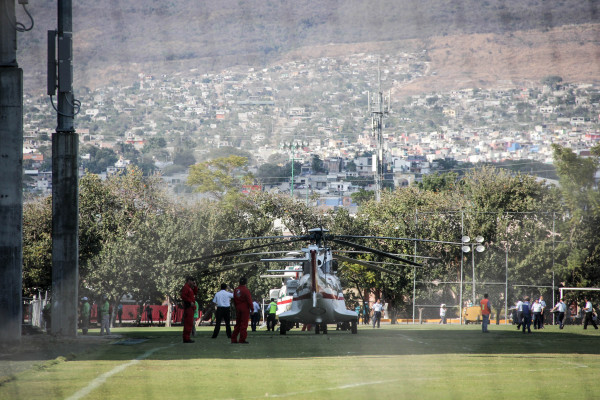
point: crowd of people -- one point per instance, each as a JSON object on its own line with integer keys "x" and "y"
{"x": 527, "y": 312}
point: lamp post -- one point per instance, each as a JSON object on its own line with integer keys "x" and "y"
{"x": 469, "y": 246}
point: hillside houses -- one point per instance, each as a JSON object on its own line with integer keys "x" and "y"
{"x": 321, "y": 104}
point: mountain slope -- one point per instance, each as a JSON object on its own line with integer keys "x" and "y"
{"x": 113, "y": 40}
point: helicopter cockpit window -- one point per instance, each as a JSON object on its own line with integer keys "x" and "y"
{"x": 291, "y": 287}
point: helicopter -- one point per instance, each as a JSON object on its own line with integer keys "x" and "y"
{"x": 312, "y": 293}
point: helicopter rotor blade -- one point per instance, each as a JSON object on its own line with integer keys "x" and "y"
{"x": 228, "y": 268}
{"x": 260, "y": 237}
{"x": 375, "y": 251}
{"x": 397, "y": 238}
{"x": 368, "y": 265}
{"x": 367, "y": 252}
{"x": 233, "y": 252}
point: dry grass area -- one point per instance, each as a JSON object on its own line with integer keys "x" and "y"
{"x": 486, "y": 60}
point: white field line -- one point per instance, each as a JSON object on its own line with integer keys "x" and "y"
{"x": 102, "y": 378}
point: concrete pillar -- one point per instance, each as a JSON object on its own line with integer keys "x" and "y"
{"x": 11, "y": 170}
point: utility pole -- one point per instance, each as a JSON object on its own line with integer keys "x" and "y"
{"x": 65, "y": 179}
{"x": 378, "y": 109}
{"x": 11, "y": 178}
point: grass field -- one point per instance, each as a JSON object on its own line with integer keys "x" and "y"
{"x": 396, "y": 361}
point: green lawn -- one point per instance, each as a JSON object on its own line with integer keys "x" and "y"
{"x": 396, "y": 361}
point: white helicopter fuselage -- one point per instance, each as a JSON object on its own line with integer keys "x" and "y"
{"x": 325, "y": 305}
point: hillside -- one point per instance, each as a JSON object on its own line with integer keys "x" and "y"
{"x": 469, "y": 42}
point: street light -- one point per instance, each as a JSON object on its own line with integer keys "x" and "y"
{"x": 469, "y": 246}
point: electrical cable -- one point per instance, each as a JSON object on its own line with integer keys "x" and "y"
{"x": 19, "y": 27}
{"x": 76, "y": 105}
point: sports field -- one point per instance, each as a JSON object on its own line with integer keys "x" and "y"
{"x": 396, "y": 361}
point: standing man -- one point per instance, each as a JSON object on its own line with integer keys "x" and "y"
{"x": 105, "y": 312}
{"x": 561, "y": 308}
{"x": 243, "y": 304}
{"x": 543, "y": 304}
{"x": 589, "y": 314}
{"x": 443, "y": 314}
{"x": 271, "y": 317}
{"x": 85, "y": 315}
{"x": 188, "y": 296}
{"x": 223, "y": 313}
{"x": 377, "y": 307}
{"x": 519, "y": 314}
{"x": 536, "y": 308}
{"x": 255, "y": 315}
{"x": 149, "y": 314}
{"x": 526, "y": 314}
{"x": 485, "y": 313}
{"x": 120, "y": 314}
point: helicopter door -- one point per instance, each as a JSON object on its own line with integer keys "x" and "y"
{"x": 274, "y": 294}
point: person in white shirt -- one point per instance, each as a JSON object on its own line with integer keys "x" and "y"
{"x": 255, "y": 317}
{"x": 588, "y": 314}
{"x": 560, "y": 308}
{"x": 536, "y": 309}
{"x": 223, "y": 301}
{"x": 377, "y": 307}
{"x": 519, "y": 314}
{"x": 543, "y": 303}
{"x": 443, "y": 314}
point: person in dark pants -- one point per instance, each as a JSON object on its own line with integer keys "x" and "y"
{"x": 526, "y": 313}
{"x": 188, "y": 296}
{"x": 519, "y": 314}
{"x": 120, "y": 314}
{"x": 272, "y": 316}
{"x": 149, "y": 314}
{"x": 255, "y": 316}
{"x": 560, "y": 308}
{"x": 377, "y": 308}
{"x": 223, "y": 313}
{"x": 536, "y": 309}
{"x": 486, "y": 310}
{"x": 588, "y": 316}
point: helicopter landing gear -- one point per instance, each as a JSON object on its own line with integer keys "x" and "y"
{"x": 354, "y": 327}
{"x": 321, "y": 327}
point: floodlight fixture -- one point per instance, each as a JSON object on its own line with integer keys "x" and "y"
{"x": 466, "y": 239}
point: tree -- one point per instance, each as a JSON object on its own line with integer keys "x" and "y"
{"x": 582, "y": 201}
{"x": 37, "y": 246}
{"x": 154, "y": 143}
{"x": 220, "y": 176}
{"x": 270, "y": 174}
{"x": 438, "y": 182}
{"x": 100, "y": 159}
{"x": 362, "y": 196}
{"x": 317, "y": 164}
{"x": 184, "y": 157}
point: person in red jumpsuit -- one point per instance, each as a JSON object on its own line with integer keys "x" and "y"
{"x": 243, "y": 304}
{"x": 188, "y": 296}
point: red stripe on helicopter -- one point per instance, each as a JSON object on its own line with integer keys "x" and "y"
{"x": 284, "y": 301}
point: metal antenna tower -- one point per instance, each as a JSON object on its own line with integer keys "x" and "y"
{"x": 378, "y": 108}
